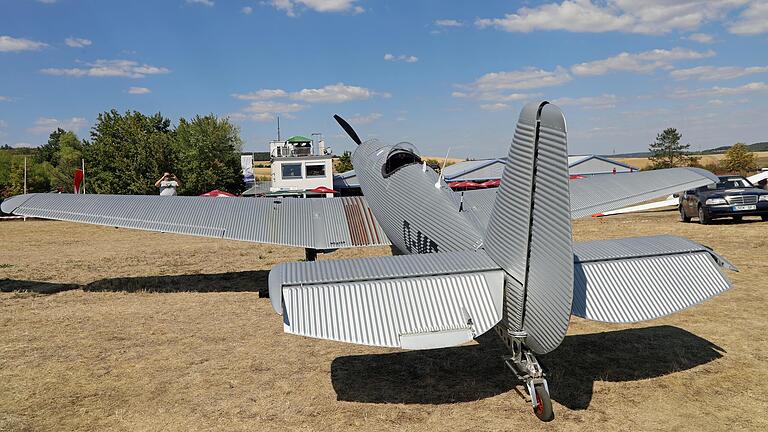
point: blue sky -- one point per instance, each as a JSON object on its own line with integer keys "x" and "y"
{"x": 439, "y": 73}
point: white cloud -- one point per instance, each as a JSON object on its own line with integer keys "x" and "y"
{"x": 753, "y": 20}
{"x": 713, "y": 73}
{"x": 208, "y": 3}
{"x": 247, "y": 10}
{"x": 45, "y": 125}
{"x": 273, "y": 107}
{"x": 5, "y": 99}
{"x": 642, "y": 62}
{"x": 262, "y": 94}
{"x": 11, "y": 44}
{"x": 289, "y": 6}
{"x": 335, "y": 93}
{"x": 77, "y": 42}
{"x": 494, "y": 107}
{"x": 265, "y": 111}
{"x": 139, "y": 90}
{"x": 401, "y": 58}
{"x": 361, "y": 119}
{"x": 630, "y": 16}
{"x": 701, "y": 38}
{"x": 109, "y": 68}
{"x": 448, "y": 23}
{"x": 47, "y": 1}
{"x": 722, "y": 91}
{"x": 505, "y": 86}
{"x": 597, "y": 102}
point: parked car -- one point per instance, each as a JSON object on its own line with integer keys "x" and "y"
{"x": 732, "y": 196}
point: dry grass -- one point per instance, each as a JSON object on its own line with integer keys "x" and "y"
{"x": 171, "y": 333}
{"x": 761, "y": 158}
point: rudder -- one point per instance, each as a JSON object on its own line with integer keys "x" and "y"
{"x": 529, "y": 231}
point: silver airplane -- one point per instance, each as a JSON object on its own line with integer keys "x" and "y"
{"x": 501, "y": 259}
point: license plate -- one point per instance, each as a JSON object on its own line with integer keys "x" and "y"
{"x": 744, "y": 207}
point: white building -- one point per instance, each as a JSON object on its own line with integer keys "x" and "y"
{"x": 297, "y": 170}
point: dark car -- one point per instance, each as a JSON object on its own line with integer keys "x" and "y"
{"x": 732, "y": 196}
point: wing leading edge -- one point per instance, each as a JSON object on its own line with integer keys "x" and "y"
{"x": 327, "y": 223}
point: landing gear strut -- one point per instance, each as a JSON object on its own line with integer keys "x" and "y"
{"x": 524, "y": 365}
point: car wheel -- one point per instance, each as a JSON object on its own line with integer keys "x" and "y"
{"x": 703, "y": 218}
{"x": 683, "y": 217}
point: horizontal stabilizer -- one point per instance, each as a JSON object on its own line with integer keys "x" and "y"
{"x": 328, "y": 223}
{"x": 413, "y": 301}
{"x": 638, "y": 279}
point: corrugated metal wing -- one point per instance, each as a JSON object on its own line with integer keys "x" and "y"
{"x": 606, "y": 192}
{"x": 323, "y": 223}
{"x": 415, "y": 301}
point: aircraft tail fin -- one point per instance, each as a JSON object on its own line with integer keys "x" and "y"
{"x": 529, "y": 229}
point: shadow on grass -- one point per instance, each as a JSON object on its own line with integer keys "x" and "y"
{"x": 245, "y": 281}
{"x": 475, "y": 372}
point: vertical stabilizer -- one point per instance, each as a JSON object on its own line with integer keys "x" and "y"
{"x": 529, "y": 231}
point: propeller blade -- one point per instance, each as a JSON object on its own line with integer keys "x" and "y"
{"x": 348, "y": 129}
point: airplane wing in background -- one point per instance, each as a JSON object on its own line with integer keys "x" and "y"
{"x": 328, "y": 223}
{"x": 670, "y": 201}
{"x": 605, "y": 192}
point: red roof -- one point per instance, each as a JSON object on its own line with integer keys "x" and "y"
{"x": 217, "y": 193}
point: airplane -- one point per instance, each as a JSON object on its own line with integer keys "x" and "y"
{"x": 501, "y": 259}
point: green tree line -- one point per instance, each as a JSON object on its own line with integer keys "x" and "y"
{"x": 126, "y": 154}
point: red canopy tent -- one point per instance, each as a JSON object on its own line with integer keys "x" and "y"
{"x": 322, "y": 189}
{"x": 217, "y": 193}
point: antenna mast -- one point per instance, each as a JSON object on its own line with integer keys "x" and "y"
{"x": 278, "y": 128}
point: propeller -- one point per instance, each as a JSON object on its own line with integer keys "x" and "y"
{"x": 348, "y": 129}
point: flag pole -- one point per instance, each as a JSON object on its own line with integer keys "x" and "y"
{"x": 83, "y": 168}
{"x": 25, "y": 174}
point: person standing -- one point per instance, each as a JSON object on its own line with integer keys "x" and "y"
{"x": 168, "y": 184}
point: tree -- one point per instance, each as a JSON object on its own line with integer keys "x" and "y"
{"x": 344, "y": 163}
{"x": 207, "y": 152}
{"x": 69, "y": 159}
{"x": 739, "y": 159}
{"x": 49, "y": 152}
{"x": 38, "y": 179}
{"x": 128, "y": 153}
{"x": 667, "y": 152}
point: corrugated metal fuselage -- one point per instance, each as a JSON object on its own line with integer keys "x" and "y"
{"x": 416, "y": 215}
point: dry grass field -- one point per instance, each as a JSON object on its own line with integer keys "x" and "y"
{"x": 111, "y": 329}
{"x": 761, "y": 158}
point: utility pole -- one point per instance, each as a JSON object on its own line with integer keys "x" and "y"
{"x": 25, "y": 174}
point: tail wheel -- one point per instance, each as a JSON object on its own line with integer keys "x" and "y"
{"x": 764, "y": 218}
{"x": 737, "y": 218}
{"x": 543, "y": 408}
{"x": 703, "y": 218}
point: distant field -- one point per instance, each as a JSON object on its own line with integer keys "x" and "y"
{"x": 166, "y": 332}
{"x": 642, "y": 163}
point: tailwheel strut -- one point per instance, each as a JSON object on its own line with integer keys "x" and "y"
{"x": 527, "y": 369}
